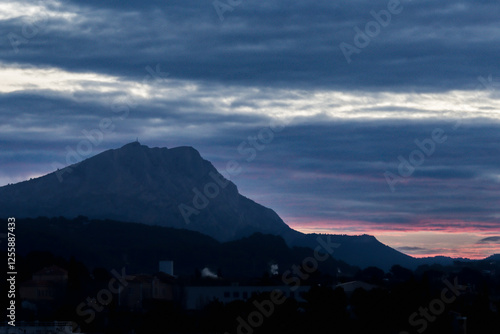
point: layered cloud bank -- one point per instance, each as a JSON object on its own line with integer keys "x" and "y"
{"x": 397, "y": 134}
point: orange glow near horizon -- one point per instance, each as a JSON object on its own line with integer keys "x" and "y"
{"x": 425, "y": 239}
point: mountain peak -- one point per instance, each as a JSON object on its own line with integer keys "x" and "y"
{"x": 133, "y": 144}
{"x": 159, "y": 186}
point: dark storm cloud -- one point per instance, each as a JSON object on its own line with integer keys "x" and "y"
{"x": 430, "y": 45}
{"x": 412, "y": 249}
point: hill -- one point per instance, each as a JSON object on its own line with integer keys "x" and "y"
{"x": 138, "y": 247}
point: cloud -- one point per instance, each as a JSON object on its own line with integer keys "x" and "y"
{"x": 334, "y": 171}
{"x": 271, "y": 45}
{"x": 68, "y": 65}
{"x": 416, "y": 250}
{"x": 411, "y": 248}
{"x": 160, "y": 94}
{"x": 489, "y": 240}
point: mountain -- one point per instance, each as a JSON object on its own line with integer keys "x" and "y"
{"x": 363, "y": 251}
{"x": 494, "y": 257}
{"x": 173, "y": 188}
{"x": 442, "y": 260}
{"x": 156, "y": 186}
{"x": 140, "y": 247}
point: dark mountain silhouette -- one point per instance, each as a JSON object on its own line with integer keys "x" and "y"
{"x": 494, "y": 257}
{"x": 171, "y": 187}
{"x": 442, "y": 260}
{"x": 155, "y": 186}
{"x": 363, "y": 251}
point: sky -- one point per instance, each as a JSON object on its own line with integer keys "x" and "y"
{"x": 345, "y": 117}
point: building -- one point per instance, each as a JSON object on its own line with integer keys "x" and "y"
{"x": 47, "y": 285}
{"x": 52, "y": 274}
{"x": 350, "y": 287}
{"x": 145, "y": 288}
{"x": 197, "y": 297}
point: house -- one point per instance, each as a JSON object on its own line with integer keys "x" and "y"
{"x": 52, "y": 274}
{"x": 146, "y": 287}
{"x": 47, "y": 285}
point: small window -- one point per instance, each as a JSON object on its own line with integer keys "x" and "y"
{"x": 245, "y": 295}
{"x": 227, "y": 294}
{"x": 236, "y": 294}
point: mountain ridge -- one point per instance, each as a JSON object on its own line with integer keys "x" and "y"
{"x": 146, "y": 185}
{"x": 173, "y": 187}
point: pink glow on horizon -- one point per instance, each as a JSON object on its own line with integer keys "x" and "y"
{"x": 423, "y": 239}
